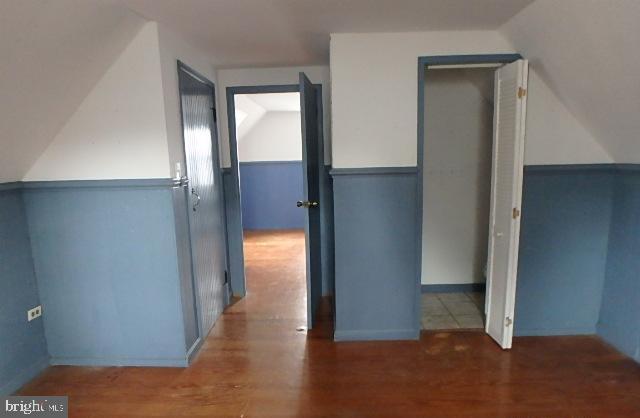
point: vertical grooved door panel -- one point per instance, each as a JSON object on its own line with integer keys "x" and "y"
{"x": 206, "y": 208}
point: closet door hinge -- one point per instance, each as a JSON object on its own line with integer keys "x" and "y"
{"x": 521, "y": 92}
{"x": 508, "y": 321}
{"x": 516, "y": 213}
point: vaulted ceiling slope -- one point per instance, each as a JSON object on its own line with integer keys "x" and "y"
{"x": 296, "y": 32}
{"x": 53, "y": 53}
{"x": 586, "y": 52}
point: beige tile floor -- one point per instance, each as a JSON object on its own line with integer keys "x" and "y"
{"x": 453, "y": 310}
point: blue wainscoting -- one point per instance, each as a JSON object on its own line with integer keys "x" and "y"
{"x": 106, "y": 260}
{"x": 375, "y": 254}
{"x": 185, "y": 268}
{"x": 23, "y": 349}
{"x": 269, "y": 191}
{"x": 566, "y": 212}
{"x": 620, "y": 313}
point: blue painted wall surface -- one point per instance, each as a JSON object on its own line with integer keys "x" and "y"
{"x": 23, "y": 349}
{"x": 620, "y": 313}
{"x": 269, "y": 191}
{"x": 375, "y": 256}
{"x": 106, "y": 262}
{"x": 185, "y": 266}
{"x": 566, "y": 212}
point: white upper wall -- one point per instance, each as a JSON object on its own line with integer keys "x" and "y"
{"x": 271, "y": 76}
{"x": 276, "y": 137}
{"x": 53, "y": 54}
{"x": 374, "y": 91}
{"x": 129, "y": 125}
{"x": 457, "y": 176}
{"x": 374, "y": 100}
{"x": 585, "y": 51}
{"x": 119, "y": 130}
{"x": 268, "y": 127}
{"x": 248, "y": 114}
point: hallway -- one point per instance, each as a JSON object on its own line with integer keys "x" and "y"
{"x": 255, "y": 363}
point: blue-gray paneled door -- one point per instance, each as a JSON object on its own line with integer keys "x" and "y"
{"x": 205, "y": 191}
{"x": 313, "y": 162}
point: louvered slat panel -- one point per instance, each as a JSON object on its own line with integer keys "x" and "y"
{"x": 506, "y": 186}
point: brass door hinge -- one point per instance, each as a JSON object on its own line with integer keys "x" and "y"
{"x": 515, "y": 213}
{"x": 521, "y": 92}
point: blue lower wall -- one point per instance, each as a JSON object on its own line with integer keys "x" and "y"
{"x": 106, "y": 261}
{"x": 269, "y": 191}
{"x": 375, "y": 255}
{"x": 620, "y": 313}
{"x": 181, "y": 208}
{"x": 23, "y": 349}
{"x": 566, "y": 212}
{"x": 578, "y": 225}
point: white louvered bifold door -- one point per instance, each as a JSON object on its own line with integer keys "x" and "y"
{"x": 506, "y": 197}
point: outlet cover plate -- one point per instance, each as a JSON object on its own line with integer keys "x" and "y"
{"x": 34, "y": 313}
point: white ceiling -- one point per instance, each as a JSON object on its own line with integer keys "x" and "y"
{"x": 240, "y": 33}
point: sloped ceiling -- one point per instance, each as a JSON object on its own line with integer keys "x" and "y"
{"x": 586, "y": 52}
{"x": 250, "y": 33}
{"x": 53, "y": 53}
{"x": 119, "y": 129}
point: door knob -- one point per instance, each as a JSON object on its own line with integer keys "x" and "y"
{"x": 197, "y": 196}
{"x": 306, "y": 204}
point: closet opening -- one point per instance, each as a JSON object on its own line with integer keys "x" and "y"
{"x": 471, "y": 153}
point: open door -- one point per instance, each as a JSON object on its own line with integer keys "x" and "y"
{"x": 506, "y": 196}
{"x": 312, "y": 162}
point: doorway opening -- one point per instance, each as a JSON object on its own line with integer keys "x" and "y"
{"x": 277, "y": 163}
{"x": 456, "y": 196}
{"x": 471, "y": 154}
{"x": 269, "y": 144}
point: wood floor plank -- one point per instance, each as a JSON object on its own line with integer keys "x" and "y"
{"x": 255, "y": 363}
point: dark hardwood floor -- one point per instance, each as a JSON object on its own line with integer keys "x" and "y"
{"x": 255, "y": 363}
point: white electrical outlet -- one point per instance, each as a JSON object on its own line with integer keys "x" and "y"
{"x": 34, "y": 313}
